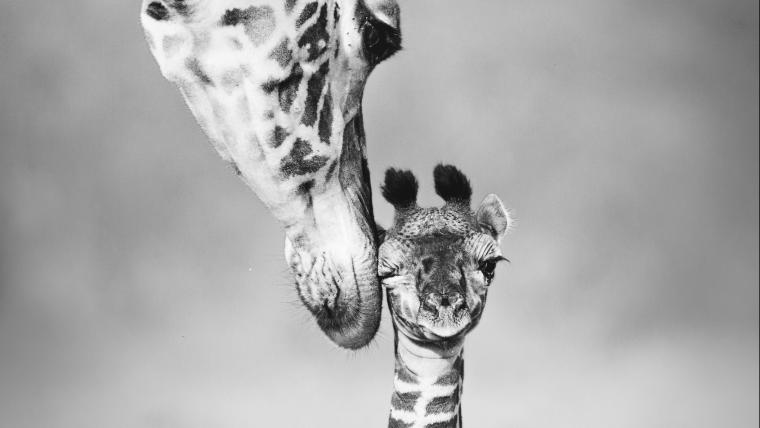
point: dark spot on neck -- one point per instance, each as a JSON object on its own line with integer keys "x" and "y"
{"x": 304, "y": 190}
{"x": 451, "y": 423}
{"x": 459, "y": 365}
{"x": 278, "y": 136}
{"x": 269, "y": 86}
{"x": 314, "y": 92}
{"x": 450, "y": 378}
{"x": 395, "y": 423}
{"x": 288, "y": 88}
{"x": 405, "y": 400}
{"x": 289, "y": 5}
{"x": 296, "y": 162}
{"x": 314, "y": 34}
{"x": 233, "y": 17}
{"x": 326, "y": 118}
{"x": 282, "y": 53}
{"x": 181, "y": 7}
{"x": 307, "y": 12}
{"x": 258, "y": 21}
{"x": 305, "y": 187}
{"x": 404, "y": 374}
{"x": 157, "y": 11}
{"x": 336, "y": 15}
{"x": 195, "y": 67}
{"x": 331, "y": 170}
{"x": 443, "y": 404}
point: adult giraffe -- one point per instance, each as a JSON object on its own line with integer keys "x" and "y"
{"x": 277, "y": 87}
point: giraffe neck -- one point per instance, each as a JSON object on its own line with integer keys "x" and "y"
{"x": 427, "y": 385}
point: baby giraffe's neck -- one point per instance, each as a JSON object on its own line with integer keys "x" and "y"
{"x": 427, "y": 384}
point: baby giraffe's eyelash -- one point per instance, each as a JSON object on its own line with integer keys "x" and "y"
{"x": 488, "y": 266}
{"x": 480, "y": 261}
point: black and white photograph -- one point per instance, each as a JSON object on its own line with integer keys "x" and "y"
{"x": 323, "y": 213}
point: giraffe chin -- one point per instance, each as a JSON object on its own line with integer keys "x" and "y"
{"x": 344, "y": 298}
{"x": 351, "y": 319}
{"x": 446, "y": 324}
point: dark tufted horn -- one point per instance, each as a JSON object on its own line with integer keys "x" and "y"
{"x": 452, "y": 185}
{"x": 400, "y": 188}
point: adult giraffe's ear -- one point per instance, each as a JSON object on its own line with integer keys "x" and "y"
{"x": 493, "y": 218}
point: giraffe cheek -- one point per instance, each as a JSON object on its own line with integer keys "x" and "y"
{"x": 476, "y": 287}
{"x": 409, "y": 312}
{"x": 473, "y": 299}
{"x": 409, "y": 306}
{"x": 349, "y": 87}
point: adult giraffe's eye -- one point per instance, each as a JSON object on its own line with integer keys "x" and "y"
{"x": 370, "y": 35}
{"x": 380, "y": 40}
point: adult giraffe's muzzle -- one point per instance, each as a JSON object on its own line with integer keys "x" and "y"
{"x": 332, "y": 251}
{"x": 341, "y": 292}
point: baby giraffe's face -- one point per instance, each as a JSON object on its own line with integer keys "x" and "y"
{"x": 440, "y": 291}
{"x": 437, "y": 263}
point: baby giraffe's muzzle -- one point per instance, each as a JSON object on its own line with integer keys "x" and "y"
{"x": 446, "y": 300}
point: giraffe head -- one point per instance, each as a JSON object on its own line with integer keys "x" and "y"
{"x": 437, "y": 263}
{"x": 277, "y": 87}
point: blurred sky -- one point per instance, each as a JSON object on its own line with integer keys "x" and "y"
{"x": 143, "y": 285}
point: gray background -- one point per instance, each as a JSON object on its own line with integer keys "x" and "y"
{"x": 143, "y": 285}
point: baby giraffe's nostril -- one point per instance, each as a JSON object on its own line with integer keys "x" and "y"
{"x": 455, "y": 300}
{"x": 432, "y": 301}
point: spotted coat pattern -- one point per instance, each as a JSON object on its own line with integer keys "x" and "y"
{"x": 261, "y": 81}
{"x": 276, "y": 86}
{"x": 427, "y": 402}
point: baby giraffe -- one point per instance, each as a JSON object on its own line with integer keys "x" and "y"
{"x": 436, "y": 265}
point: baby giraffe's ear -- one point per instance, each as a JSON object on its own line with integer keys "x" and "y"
{"x": 493, "y": 217}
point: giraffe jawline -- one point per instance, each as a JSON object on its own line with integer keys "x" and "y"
{"x": 350, "y": 321}
{"x": 343, "y": 299}
{"x": 444, "y": 325}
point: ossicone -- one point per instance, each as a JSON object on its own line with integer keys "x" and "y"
{"x": 451, "y": 184}
{"x": 400, "y": 188}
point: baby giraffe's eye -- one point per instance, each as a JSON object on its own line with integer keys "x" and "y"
{"x": 488, "y": 267}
